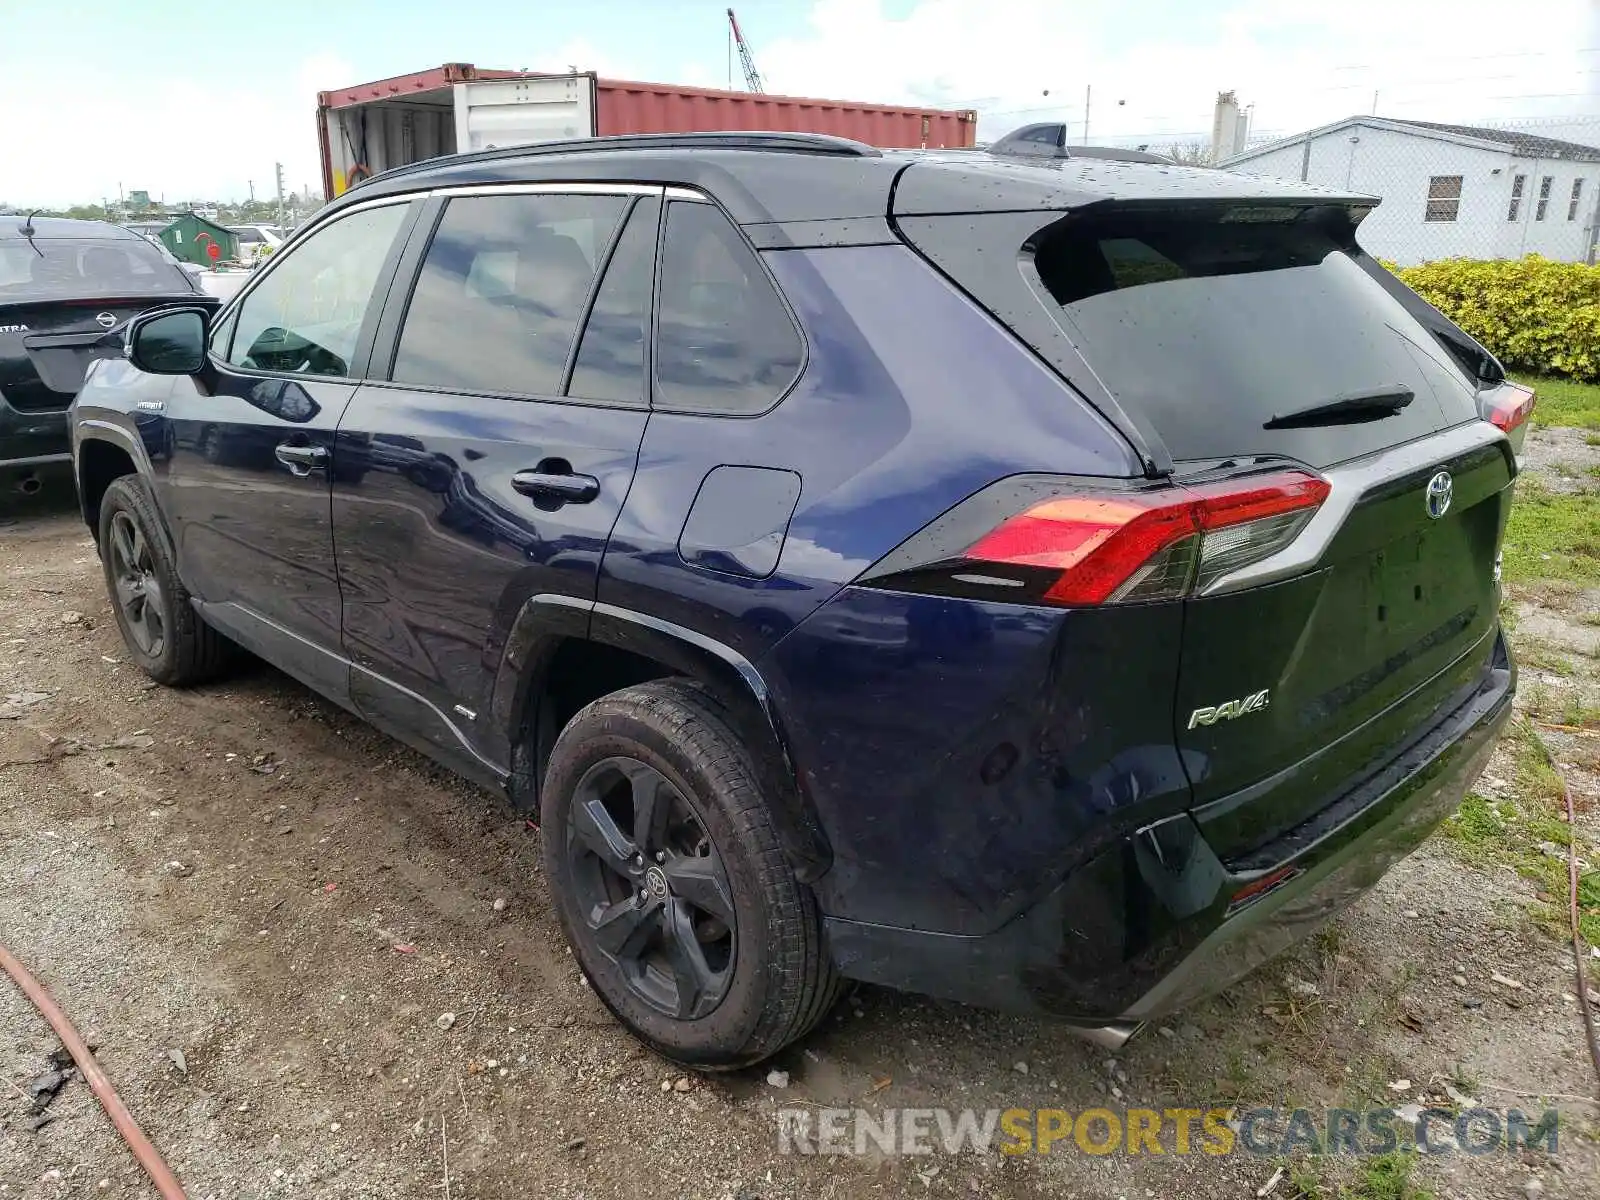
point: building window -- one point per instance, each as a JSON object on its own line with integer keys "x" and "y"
{"x": 1518, "y": 182}
{"x": 1444, "y": 198}
{"x": 1572, "y": 204}
{"x": 1545, "y": 185}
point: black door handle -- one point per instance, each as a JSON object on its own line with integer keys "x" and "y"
{"x": 302, "y": 460}
{"x": 566, "y": 489}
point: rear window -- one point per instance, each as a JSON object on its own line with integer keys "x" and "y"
{"x": 81, "y": 268}
{"x": 1205, "y": 324}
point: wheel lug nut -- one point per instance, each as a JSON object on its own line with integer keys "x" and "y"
{"x": 638, "y": 860}
{"x": 644, "y": 895}
{"x": 661, "y": 856}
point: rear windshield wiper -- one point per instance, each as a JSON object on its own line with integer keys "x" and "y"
{"x": 1347, "y": 410}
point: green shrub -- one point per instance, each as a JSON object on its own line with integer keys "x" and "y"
{"x": 1534, "y": 314}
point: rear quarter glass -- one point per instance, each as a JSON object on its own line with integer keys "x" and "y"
{"x": 1203, "y": 327}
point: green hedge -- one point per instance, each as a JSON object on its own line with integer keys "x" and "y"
{"x": 1534, "y": 314}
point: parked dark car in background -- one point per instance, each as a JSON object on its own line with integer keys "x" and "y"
{"x": 66, "y": 288}
{"x": 1053, "y": 585}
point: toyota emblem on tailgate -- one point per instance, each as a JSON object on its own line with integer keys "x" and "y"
{"x": 105, "y": 320}
{"x": 1440, "y": 489}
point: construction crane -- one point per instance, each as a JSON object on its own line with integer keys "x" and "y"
{"x": 752, "y": 77}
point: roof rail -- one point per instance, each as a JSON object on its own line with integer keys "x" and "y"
{"x": 780, "y": 143}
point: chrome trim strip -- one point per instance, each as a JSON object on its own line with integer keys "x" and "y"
{"x": 37, "y": 460}
{"x": 683, "y": 193}
{"x": 1350, "y": 482}
{"x": 546, "y": 188}
{"x": 360, "y": 206}
{"x": 422, "y": 700}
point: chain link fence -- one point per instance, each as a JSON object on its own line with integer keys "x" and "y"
{"x": 1502, "y": 190}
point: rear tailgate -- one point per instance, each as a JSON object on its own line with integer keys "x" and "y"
{"x": 1384, "y": 613}
{"x": 1234, "y": 337}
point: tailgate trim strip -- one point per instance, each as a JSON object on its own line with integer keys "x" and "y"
{"x": 1351, "y": 483}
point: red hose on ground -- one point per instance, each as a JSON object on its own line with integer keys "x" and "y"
{"x": 1572, "y": 908}
{"x": 160, "y": 1174}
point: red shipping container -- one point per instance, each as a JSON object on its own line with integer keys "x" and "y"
{"x": 627, "y": 107}
{"x": 373, "y": 127}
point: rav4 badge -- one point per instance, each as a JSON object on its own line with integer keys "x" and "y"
{"x": 1229, "y": 710}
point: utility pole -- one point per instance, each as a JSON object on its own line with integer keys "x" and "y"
{"x": 252, "y": 185}
{"x": 1088, "y": 92}
{"x": 277, "y": 169}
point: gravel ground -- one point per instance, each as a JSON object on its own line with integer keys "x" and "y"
{"x": 248, "y": 876}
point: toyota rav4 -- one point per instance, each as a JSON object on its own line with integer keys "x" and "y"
{"x": 1049, "y": 584}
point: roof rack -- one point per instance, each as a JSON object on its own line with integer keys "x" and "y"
{"x": 780, "y": 143}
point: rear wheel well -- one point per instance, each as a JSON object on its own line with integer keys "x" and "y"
{"x": 100, "y": 463}
{"x": 579, "y": 672}
{"x": 576, "y": 673}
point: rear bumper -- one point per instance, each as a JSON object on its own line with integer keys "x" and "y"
{"x": 1154, "y": 924}
{"x": 32, "y": 439}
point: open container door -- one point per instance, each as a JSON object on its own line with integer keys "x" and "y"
{"x": 516, "y": 112}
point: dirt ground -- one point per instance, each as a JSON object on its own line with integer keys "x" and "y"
{"x": 258, "y": 909}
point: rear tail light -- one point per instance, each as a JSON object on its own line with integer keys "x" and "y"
{"x": 1158, "y": 545}
{"x": 1511, "y": 406}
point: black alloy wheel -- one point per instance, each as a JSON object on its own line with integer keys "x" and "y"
{"x": 651, "y": 887}
{"x": 137, "y": 586}
{"x": 166, "y": 637}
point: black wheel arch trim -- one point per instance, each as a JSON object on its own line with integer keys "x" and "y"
{"x": 96, "y": 429}
{"x": 544, "y": 622}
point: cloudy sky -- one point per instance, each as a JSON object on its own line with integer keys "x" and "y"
{"x": 196, "y": 100}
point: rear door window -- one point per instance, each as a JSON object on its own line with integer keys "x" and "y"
{"x": 725, "y": 343}
{"x": 502, "y": 288}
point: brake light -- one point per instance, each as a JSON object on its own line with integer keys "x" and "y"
{"x": 1512, "y": 405}
{"x": 1161, "y": 544}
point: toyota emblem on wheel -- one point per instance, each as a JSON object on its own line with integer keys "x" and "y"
{"x": 1440, "y": 489}
{"x": 655, "y": 879}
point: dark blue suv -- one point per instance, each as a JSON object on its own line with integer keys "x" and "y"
{"x": 1054, "y": 585}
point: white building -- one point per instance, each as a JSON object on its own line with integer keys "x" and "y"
{"x": 1448, "y": 191}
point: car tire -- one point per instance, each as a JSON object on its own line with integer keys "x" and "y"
{"x": 165, "y": 637}
{"x": 776, "y": 979}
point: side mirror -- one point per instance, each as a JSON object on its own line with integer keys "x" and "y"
{"x": 169, "y": 341}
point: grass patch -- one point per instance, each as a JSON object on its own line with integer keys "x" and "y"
{"x": 1559, "y": 706}
{"x": 1552, "y": 535}
{"x": 1563, "y": 402}
{"x": 1510, "y": 832}
{"x": 1386, "y": 1177}
{"x": 1541, "y": 656}
{"x": 1304, "y": 1183}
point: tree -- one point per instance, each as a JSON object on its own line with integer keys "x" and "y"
{"x": 1189, "y": 154}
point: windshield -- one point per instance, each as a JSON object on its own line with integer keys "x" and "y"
{"x": 83, "y": 269}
